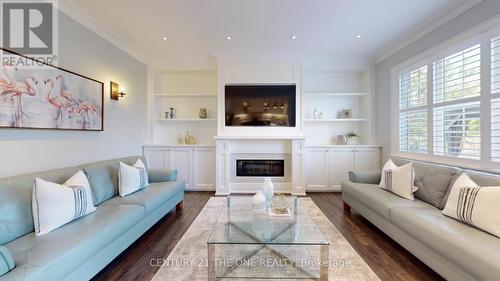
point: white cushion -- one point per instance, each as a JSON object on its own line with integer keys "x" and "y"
{"x": 54, "y": 205}
{"x": 474, "y": 205}
{"x": 389, "y": 165}
{"x": 132, "y": 178}
{"x": 400, "y": 180}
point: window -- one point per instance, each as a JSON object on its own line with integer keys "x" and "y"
{"x": 413, "y": 131}
{"x": 452, "y": 111}
{"x": 458, "y": 76}
{"x": 457, "y": 130}
{"x": 413, "y": 119}
{"x": 449, "y": 104}
{"x": 495, "y": 99}
{"x": 457, "y": 90}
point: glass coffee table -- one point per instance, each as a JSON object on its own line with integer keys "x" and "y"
{"x": 248, "y": 243}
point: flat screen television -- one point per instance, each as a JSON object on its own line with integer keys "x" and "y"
{"x": 260, "y": 105}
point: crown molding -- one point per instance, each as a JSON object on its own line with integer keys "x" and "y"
{"x": 424, "y": 29}
{"x": 90, "y": 23}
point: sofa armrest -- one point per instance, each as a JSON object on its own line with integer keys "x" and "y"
{"x": 6, "y": 261}
{"x": 162, "y": 175}
{"x": 372, "y": 177}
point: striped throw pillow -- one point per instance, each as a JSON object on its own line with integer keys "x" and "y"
{"x": 474, "y": 205}
{"x": 54, "y": 205}
{"x": 132, "y": 178}
{"x": 400, "y": 181}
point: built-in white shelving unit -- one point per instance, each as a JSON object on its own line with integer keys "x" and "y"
{"x": 329, "y": 92}
{"x": 325, "y": 162}
{"x": 187, "y": 91}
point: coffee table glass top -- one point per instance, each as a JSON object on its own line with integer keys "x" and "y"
{"x": 240, "y": 222}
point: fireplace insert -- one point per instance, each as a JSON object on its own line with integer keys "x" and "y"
{"x": 260, "y": 168}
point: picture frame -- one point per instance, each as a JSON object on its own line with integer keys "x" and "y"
{"x": 345, "y": 113}
{"x": 47, "y": 97}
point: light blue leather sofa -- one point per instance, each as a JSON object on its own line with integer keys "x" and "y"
{"x": 80, "y": 249}
{"x": 455, "y": 250}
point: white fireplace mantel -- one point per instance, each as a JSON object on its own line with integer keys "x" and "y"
{"x": 259, "y": 147}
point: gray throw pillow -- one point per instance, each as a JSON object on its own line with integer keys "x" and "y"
{"x": 433, "y": 183}
{"x": 448, "y": 191}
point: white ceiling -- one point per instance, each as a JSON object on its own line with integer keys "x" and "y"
{"x": 197, "y": 29}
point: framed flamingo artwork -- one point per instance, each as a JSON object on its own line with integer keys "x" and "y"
{"x": 34, "y": 95}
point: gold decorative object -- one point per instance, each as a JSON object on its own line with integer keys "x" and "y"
{"x": 203, "y": 113}
{"x": 180, "y": 139}
{"x": 280, "y": 204}
{"x": 190, "y": 139}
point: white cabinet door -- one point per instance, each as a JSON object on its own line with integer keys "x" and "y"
{"x": 367, "y": 159}
{"x": 341, "y": 162}
{"x": 316, "y": 162}
{"x": 181, "y": 160}
{"x": 204, "y": 168}
{"x": 156, "y": 157}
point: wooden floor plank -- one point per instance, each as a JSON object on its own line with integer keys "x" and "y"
{"x": 389, "y": 260}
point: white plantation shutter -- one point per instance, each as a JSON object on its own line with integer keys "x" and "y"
{"x": 444, "y": 118}
{"x": 456, "y": 116}
{"x": 413, "y": 88}
{"x": 413, "y": 131}
{"x": 413, "y": 116}
{"x": 457, "y": 131}
{"x": 495, "y": 99}
{"x": 458, "y": 76}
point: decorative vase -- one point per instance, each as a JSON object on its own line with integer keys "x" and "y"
{"x": 355, "y": 140}
{"x": 172, "y": 113}
{"x": 203, "y": 113}
{"x": 268, "y": 189}
{"x": 258, "y": 198}
{"x": 341, "y": 139}
{"x": 180, "y": 139}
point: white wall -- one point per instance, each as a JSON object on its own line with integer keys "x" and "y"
{"x": 125, "y": 121}
{"x": 479, "y": 13}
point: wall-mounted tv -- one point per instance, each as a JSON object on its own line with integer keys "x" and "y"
{"x": 260, "y": 105}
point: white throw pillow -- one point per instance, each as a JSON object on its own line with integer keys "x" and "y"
{"x": 132, "y": 178}
{"x": 474, "y": 205}
{"x": 400, "y": 181}
{"x": 54, "y": 205}
{"x": 389, "y": 165}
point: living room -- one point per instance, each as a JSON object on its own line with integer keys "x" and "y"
{"x": 250, "y": 140}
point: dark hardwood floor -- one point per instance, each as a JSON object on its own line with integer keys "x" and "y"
{"x": 389, "y": 260}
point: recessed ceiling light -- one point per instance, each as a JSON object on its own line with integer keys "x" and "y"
{"x": 358, "y": 36}
{"x": 229, "y": 37}
{"x": 293, "y": 37}
{"x": 164, "y": 38}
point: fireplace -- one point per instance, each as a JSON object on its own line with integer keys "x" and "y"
{"x": 260, "y": 168}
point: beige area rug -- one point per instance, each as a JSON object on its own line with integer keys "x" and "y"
{"x": 188, "y": 260}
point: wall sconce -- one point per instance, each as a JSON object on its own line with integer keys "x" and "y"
{"x": 115, "y": 91}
